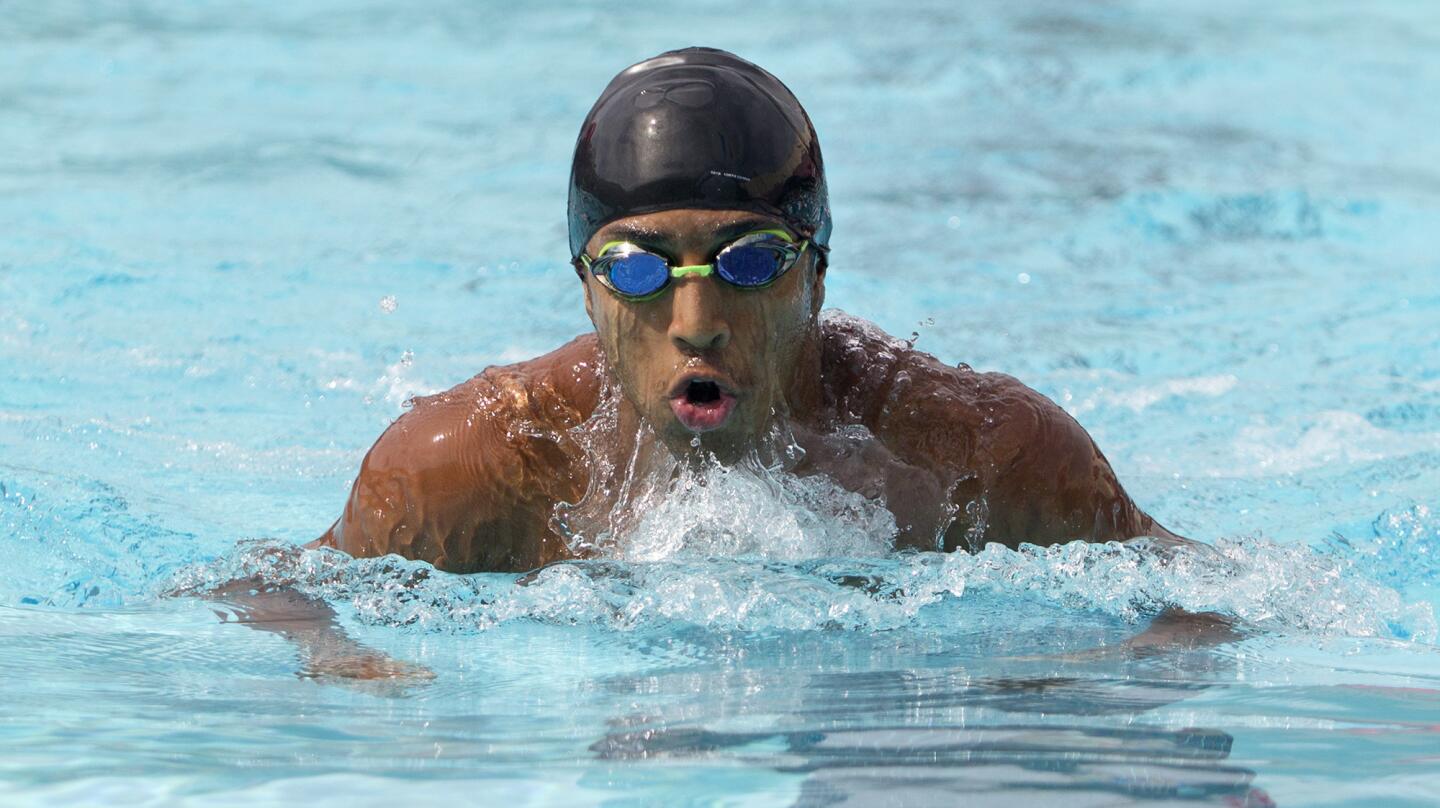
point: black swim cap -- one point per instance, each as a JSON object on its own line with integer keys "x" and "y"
{"x": 697, "y": 128}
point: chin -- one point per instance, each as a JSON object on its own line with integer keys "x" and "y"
{"x": 726, "y": 442}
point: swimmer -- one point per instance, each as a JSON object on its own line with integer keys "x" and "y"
{"x": 699, "y": 225}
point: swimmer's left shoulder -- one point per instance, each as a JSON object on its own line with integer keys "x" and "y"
{"x": 879, "y": 377}
{"x": 868, "y": 372}
{"x": 1005, "y": 424}
{"x": 1041, "y": 475}
{"x": 926, "y": 407}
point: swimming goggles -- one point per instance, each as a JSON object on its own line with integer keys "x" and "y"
{"x": 753, "y": 261}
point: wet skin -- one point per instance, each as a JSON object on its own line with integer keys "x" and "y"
{"x": 468, "y": 479}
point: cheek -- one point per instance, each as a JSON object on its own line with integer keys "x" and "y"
{"x": 628, "y": 340}
{"x": 616, "y": 329}
{"x": 778, "y": 324}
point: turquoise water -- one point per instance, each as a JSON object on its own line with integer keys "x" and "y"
{"x": 233, "y": 240}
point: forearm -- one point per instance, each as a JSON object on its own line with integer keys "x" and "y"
{"x": 1178, "y": 630}
{"x": 326, "y": 650}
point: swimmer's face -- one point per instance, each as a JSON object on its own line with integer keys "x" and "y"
{"x": 704, "y": 358}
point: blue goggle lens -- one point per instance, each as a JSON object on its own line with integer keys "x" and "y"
{"x": 638, "y": 274}
{"x": 750, "y": 264}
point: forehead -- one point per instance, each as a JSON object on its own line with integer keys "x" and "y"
{"x": 684, "y": 227}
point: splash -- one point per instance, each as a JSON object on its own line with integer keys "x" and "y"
{"x": 655, "y": 505}
{"x": 705, "y": 509}
{"x": 397, "y": 385}
{"x": 752, "y": 510}
{"x": 1268, "y": 586}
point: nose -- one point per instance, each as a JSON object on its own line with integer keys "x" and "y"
{"x": 697, "y": 320}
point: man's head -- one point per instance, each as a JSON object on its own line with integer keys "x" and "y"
{"x": 683, "y": 156}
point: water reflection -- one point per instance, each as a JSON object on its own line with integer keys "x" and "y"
{"x": 1048, "y": 734}
{"x": 1014, "y": 764}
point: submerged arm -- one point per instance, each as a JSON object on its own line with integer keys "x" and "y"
{"x": 327, "y": 652}
{"x": 1178, "y": 630}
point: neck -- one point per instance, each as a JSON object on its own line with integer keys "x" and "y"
{"x": 805, "y": 391}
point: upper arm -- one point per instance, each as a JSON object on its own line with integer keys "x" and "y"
{"x": 1020, "y": 469}
{"x": 1045, "y": 480}
{"x": 444, "y": 484}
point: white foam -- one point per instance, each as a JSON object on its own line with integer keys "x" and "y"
{"x": 749, "y": 510}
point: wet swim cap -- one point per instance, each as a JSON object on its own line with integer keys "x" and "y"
{"x": 697, "y": 128}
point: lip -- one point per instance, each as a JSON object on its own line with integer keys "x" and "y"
{"x": 702, "y": 417}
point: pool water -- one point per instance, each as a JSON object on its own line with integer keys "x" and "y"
{"x": 237, "y": 238}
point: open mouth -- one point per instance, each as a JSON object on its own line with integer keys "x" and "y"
{"x": 702, "y": 392}
{"x": 702, "y": 404}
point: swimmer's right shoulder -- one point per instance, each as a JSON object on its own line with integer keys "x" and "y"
{"x": 560, "y": 388}
{"x": 460, "y": 480}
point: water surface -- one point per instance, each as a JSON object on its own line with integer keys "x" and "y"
{"x": 235, "y": 240}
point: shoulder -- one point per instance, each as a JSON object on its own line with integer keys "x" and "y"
{"x": 559, "y": 388}
{"x": 922, "y": 405}
{"x": 1027, "y": 468}
{"x": 503, "y": 405}
{"x": 481, "y": 457}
